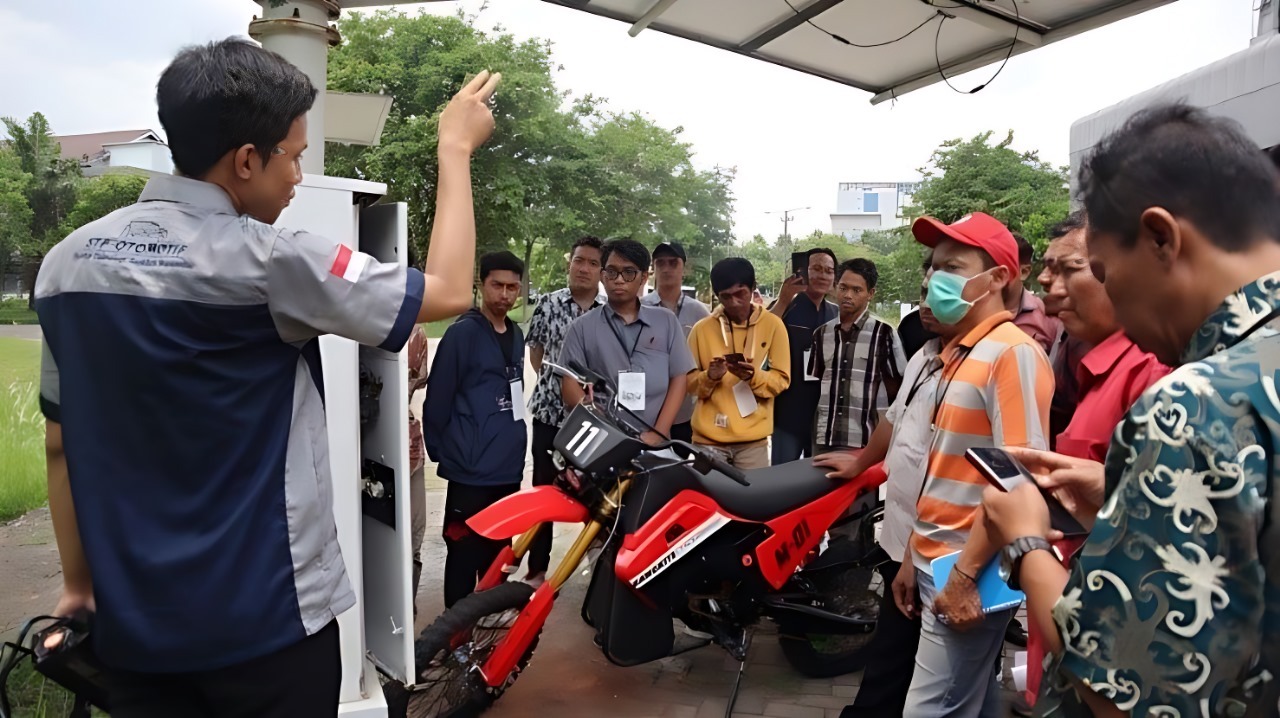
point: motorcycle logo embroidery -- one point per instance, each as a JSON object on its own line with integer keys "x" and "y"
{"x": 695, "y": 537}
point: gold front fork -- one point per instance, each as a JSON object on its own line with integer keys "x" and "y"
{"x": 573, "y": 557}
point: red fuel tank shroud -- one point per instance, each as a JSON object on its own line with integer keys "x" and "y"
{"x": 520, "y": 511}
{"x": 686, "y": 512}
{"x": 796, "y": 533}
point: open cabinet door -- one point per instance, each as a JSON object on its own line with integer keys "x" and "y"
{"x": 386, "y": 527}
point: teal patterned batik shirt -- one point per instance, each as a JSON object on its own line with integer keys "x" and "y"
{"x": 1172, "y": 608}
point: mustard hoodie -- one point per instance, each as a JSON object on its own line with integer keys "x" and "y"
{"x": 763, "y": 340}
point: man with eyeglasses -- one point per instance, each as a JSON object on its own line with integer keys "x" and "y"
{"x": 641, "y": 349}
{"x": 668, "y": 279}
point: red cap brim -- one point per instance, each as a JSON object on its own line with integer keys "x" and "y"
{"x": 929, "y": 231}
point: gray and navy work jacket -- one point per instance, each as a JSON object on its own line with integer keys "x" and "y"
{"x": 181, "y": 360}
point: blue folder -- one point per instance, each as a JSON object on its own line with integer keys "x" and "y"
{"x": 994, "y": 592}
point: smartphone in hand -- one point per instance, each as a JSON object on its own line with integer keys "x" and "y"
{"x": 800, "y": 265}
{"x": 1006, "y": 473}
{"x": 735, "y": 358}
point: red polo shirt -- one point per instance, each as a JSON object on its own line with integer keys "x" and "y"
{"x": 1111, "y": 377}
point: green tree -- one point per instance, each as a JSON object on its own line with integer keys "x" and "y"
{"x": 557, "y": 168}
{"x": 977, "y": 175}
{"x": 51, "y": 192}
{"x": 15, "y": 212}
{"x": 101, "y": 196}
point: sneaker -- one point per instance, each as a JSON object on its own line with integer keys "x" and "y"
{"x": 535, "y": 579}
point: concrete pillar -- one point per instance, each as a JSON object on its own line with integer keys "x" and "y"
{"x": 299, "y": 30}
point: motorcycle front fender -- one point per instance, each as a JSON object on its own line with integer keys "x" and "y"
{"x": 523, "y": 510}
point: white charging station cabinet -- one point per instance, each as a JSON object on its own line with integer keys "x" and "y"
{"x": 377, "y": 634}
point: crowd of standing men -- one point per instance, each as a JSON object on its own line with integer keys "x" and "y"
{"x": 983, "y": 363}
{"x": 189, "y": 486}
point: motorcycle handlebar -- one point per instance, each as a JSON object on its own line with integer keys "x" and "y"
{"x": 709, "y": 461}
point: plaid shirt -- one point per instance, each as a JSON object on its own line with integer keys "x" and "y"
{"x": 861, "y": 371}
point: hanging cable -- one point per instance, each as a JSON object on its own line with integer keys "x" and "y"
{"x": 850, "y": 43}
{"x": 1012, "y": 44}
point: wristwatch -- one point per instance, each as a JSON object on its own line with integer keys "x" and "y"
{"x": 1011, "y": 557}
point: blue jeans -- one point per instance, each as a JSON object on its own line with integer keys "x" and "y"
{"x": 790, "y": 445}
{"x": 955, "y": 672}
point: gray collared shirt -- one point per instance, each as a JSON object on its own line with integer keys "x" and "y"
{"x": 689, "y": 311}
{"x": 653, "y": 344}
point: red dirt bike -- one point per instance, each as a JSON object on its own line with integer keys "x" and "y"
{"x": 671, "y": 538}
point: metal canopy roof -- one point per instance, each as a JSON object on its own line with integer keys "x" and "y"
{"x": 973, "y": 33}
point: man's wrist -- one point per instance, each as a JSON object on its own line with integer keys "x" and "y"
{"x": 453, "y": 151}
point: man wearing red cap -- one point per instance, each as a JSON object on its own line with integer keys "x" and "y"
{"x": 994, "y": 391}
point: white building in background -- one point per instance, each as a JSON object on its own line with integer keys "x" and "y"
{"x": 125, "y": 150}
{"x": 870, "y": 205}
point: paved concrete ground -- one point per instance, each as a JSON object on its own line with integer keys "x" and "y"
{"x": 20, "y": 331}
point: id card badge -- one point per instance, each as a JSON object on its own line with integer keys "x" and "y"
{"x": 517, "y": 400}
{"x": 631, "y": 390}
{"x": 807, "y": 375}
{"x": 745, "y": 398}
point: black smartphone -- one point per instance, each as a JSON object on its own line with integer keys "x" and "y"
{"x": 734, "y": 358}
{"x": 800, "y": 265}
{"x": 1007, "y": 473}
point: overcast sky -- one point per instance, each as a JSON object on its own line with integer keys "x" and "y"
{"x": 92, "y": 66}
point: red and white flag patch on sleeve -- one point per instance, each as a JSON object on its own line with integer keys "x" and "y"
{"x": 349, "y": 265}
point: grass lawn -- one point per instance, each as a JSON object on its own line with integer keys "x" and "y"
{"x": 14, "y": 311}
{"x": 35, "y": 697}
{"x": 22, "y": 479}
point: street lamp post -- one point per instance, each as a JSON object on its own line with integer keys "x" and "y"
{"x": 786, "y": 219}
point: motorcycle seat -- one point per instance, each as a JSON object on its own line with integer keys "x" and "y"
{"x": 774, "y": 490}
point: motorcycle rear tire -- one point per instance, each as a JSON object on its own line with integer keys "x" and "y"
{"x": 467, "y": 694}
{"x": 855, "y": 590}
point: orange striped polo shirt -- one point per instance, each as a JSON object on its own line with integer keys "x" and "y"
{"x": 995, "y": 390}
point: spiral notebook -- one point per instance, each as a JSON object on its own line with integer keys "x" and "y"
{"x": 994, "y": 592}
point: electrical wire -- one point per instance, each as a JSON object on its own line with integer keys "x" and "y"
{"x": 850, "y": 43}
{"x": 1012, "y": 44}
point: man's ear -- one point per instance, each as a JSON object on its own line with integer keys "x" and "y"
{"x": 1000, "y": 277}
{"x": 1161, "y": 234}
{"x": 242, "y": 161}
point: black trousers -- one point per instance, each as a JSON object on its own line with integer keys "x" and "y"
{"x": 887, "y": 677}
{"x": 544, "y": 472}
{"x": 300, "y": 680}
{"x": 468, "y": 555}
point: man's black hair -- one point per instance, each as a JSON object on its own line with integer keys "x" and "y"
{"x": 862, "y": 267}
{"x": 927, "y": 263}
{"x": 498, "y": 261}
{"x": 628, "y": 249}
{"x": 218, "y": 97}
{"x": 1074, "y": 221}
{"x": 730, "y": 272}
{"x": 822, "y": 250}
{"x": 586, "y": 241}
{"x": 1198, "y": 167}
{"x": 1026, "y": 253}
